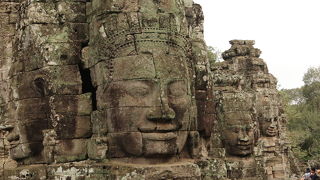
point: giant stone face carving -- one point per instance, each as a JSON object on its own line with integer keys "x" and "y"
{"x": 148, "y": 104}
{"x": 268, "y": 125}
{"x": 239, "y": 125}
{"x": 141, "y": 67}
{"x": 268, "y": 113}
{"x": 239, "y": 138}
{"x": 32, "y": 117}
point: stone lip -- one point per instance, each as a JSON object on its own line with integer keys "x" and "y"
{"x": 271, "y": 132}
{"x": 6, "y": 127}
{"x": 159, "y": 136}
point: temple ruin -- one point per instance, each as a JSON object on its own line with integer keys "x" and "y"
{"x": 123, "y": 89}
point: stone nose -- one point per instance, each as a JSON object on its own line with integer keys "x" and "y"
{"x": 164, "y": 113}
{"x": 273, "y": 123}
{"x": 243, "y": 136}
{"x": 13, "y": 135}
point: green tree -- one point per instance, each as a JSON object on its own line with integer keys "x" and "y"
{"x": 303, "y": 111}
{"x": 312, "y": 75}
{"x": 213, "y": 55}
{"x": 311, "y": 92}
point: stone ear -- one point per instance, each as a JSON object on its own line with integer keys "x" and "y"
{"x": 194, "y": 144}
{"x": 40, "y": 86}
{"x": 257, "y": 135}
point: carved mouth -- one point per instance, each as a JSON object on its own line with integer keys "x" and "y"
{"x": 13, "y": 144}
{"x": 244, "y": 147}
{"x": 159, "y": 136}
{"x": 166, "y": 129}
{"x": 271, "y": 132}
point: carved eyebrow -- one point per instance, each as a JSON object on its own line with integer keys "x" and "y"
{"x": 144, "y": 81}
{"x": 176, "y": 80}
{"x": 239, "y": 126}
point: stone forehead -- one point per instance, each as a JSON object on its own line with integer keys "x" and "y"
{"x": 148, "y": 66}
{"x": 238, "y": 118}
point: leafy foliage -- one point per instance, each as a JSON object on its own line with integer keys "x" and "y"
{"x": 303, "y": 111}
{"x": 312, "y": 75}
{"x": 214, "y": 55}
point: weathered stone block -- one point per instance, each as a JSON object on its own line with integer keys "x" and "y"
{"x": 13, "y": 18}
{"x": 73, "y": 127}
{"x": 71, "y": 150}
{"x": 72, "y": 32}
{"x": 42, "y": 13}
{"x": 33, "y": 172}
{"x": 4, "y": 91}
{"x": 74, "y": 12}
{"x": 31, "y": 130}
{"x": 71, "y": 82}
{"x": 72, "y": 104}
{"x": 4, "y": 21}
{"x": 100, "y": 73}
{"x": 74, "y": 172}
{"x": 116, "y": 6}
{"x": 7, "y": 29}
{"x": 99, "y": 125}
{"x": 31, "y": 109}
{"x": 46, "y": 81}
{"x": 60, "y": 53}
{"x": 7, "y": 7}
{"x": 98, "y": 148}
{"x": 213, "y": 169}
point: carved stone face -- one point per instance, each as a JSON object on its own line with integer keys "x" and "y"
{"x": 239, "y": 139}
{"x": 268, "y": 116}
{"x": 148, "y": 105}
{"x": 268, "y": 126}
{"x": 21, "y": 145}
{"x": 26, "y": 137}
{"x": 238, "y": 130}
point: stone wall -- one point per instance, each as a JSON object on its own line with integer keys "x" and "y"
{"x": 8, "y": 16}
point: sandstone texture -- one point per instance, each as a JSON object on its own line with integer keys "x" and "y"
{"x": 123, "y": 89}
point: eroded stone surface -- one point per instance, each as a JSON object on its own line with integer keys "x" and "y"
{"x": 122, "y": 89}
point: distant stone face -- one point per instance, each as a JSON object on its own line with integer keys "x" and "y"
{"x": 122, "y": 89}
{"x": 238, "y": 132}
{"x": 250, "y": 114}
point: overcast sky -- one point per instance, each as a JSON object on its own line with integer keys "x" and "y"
{"x": 287, "y": 32}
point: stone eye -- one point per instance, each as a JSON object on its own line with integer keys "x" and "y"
{"x": 177, "y": 89}
{"x": 138, "y": 91}
{"x": 248, "y": 129}
{"x": 236, "y": 129}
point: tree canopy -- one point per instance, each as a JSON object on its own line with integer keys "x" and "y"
{"x": 303, "y": 111}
